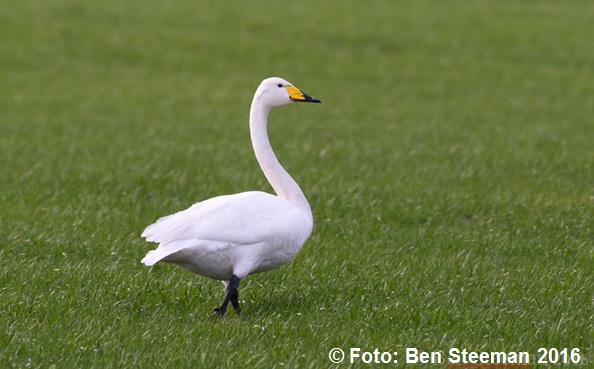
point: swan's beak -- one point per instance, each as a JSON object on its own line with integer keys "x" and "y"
{"x": 296, "y": 95}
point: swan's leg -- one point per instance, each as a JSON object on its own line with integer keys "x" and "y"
{"x": 235, "y": 301}
{"x": 232, "y": 295}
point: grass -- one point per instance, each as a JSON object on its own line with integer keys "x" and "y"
{"x": 449, "y": 169}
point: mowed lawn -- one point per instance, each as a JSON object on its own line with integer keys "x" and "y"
{"x": 449, "y": 169}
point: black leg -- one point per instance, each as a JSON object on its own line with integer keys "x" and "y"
{"x": 232, "y": 295}
{"x": 235, "y": 301}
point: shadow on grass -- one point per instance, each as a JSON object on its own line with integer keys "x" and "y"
{"x": 283, "y": 302}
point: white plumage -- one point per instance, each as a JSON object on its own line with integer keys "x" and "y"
{"x": 229, "y": 237}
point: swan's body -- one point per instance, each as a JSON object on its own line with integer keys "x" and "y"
{"x": 229, "y": 237}
{"x": 237, "y": 234}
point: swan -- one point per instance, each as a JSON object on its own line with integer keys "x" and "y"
{"x": 229, "y": 237}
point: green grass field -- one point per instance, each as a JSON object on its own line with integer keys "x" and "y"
{"x": 449, "y": 169}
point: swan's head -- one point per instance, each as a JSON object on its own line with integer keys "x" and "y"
{"x": 276, "y": 91}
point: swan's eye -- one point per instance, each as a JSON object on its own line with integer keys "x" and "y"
{"x": 280, "y": 85}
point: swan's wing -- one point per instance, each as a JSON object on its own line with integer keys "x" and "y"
{"x": 244, "y": 218}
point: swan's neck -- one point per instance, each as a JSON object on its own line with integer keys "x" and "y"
{"x": 281, "y": 182}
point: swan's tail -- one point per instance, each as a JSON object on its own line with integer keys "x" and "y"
{"x": 164, "y": 250}
{"x": 151, "y": 258}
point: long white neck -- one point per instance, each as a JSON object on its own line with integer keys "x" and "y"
{"x": 281, "y": 182}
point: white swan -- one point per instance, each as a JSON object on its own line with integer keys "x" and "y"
{"x": 229, "y": 237}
